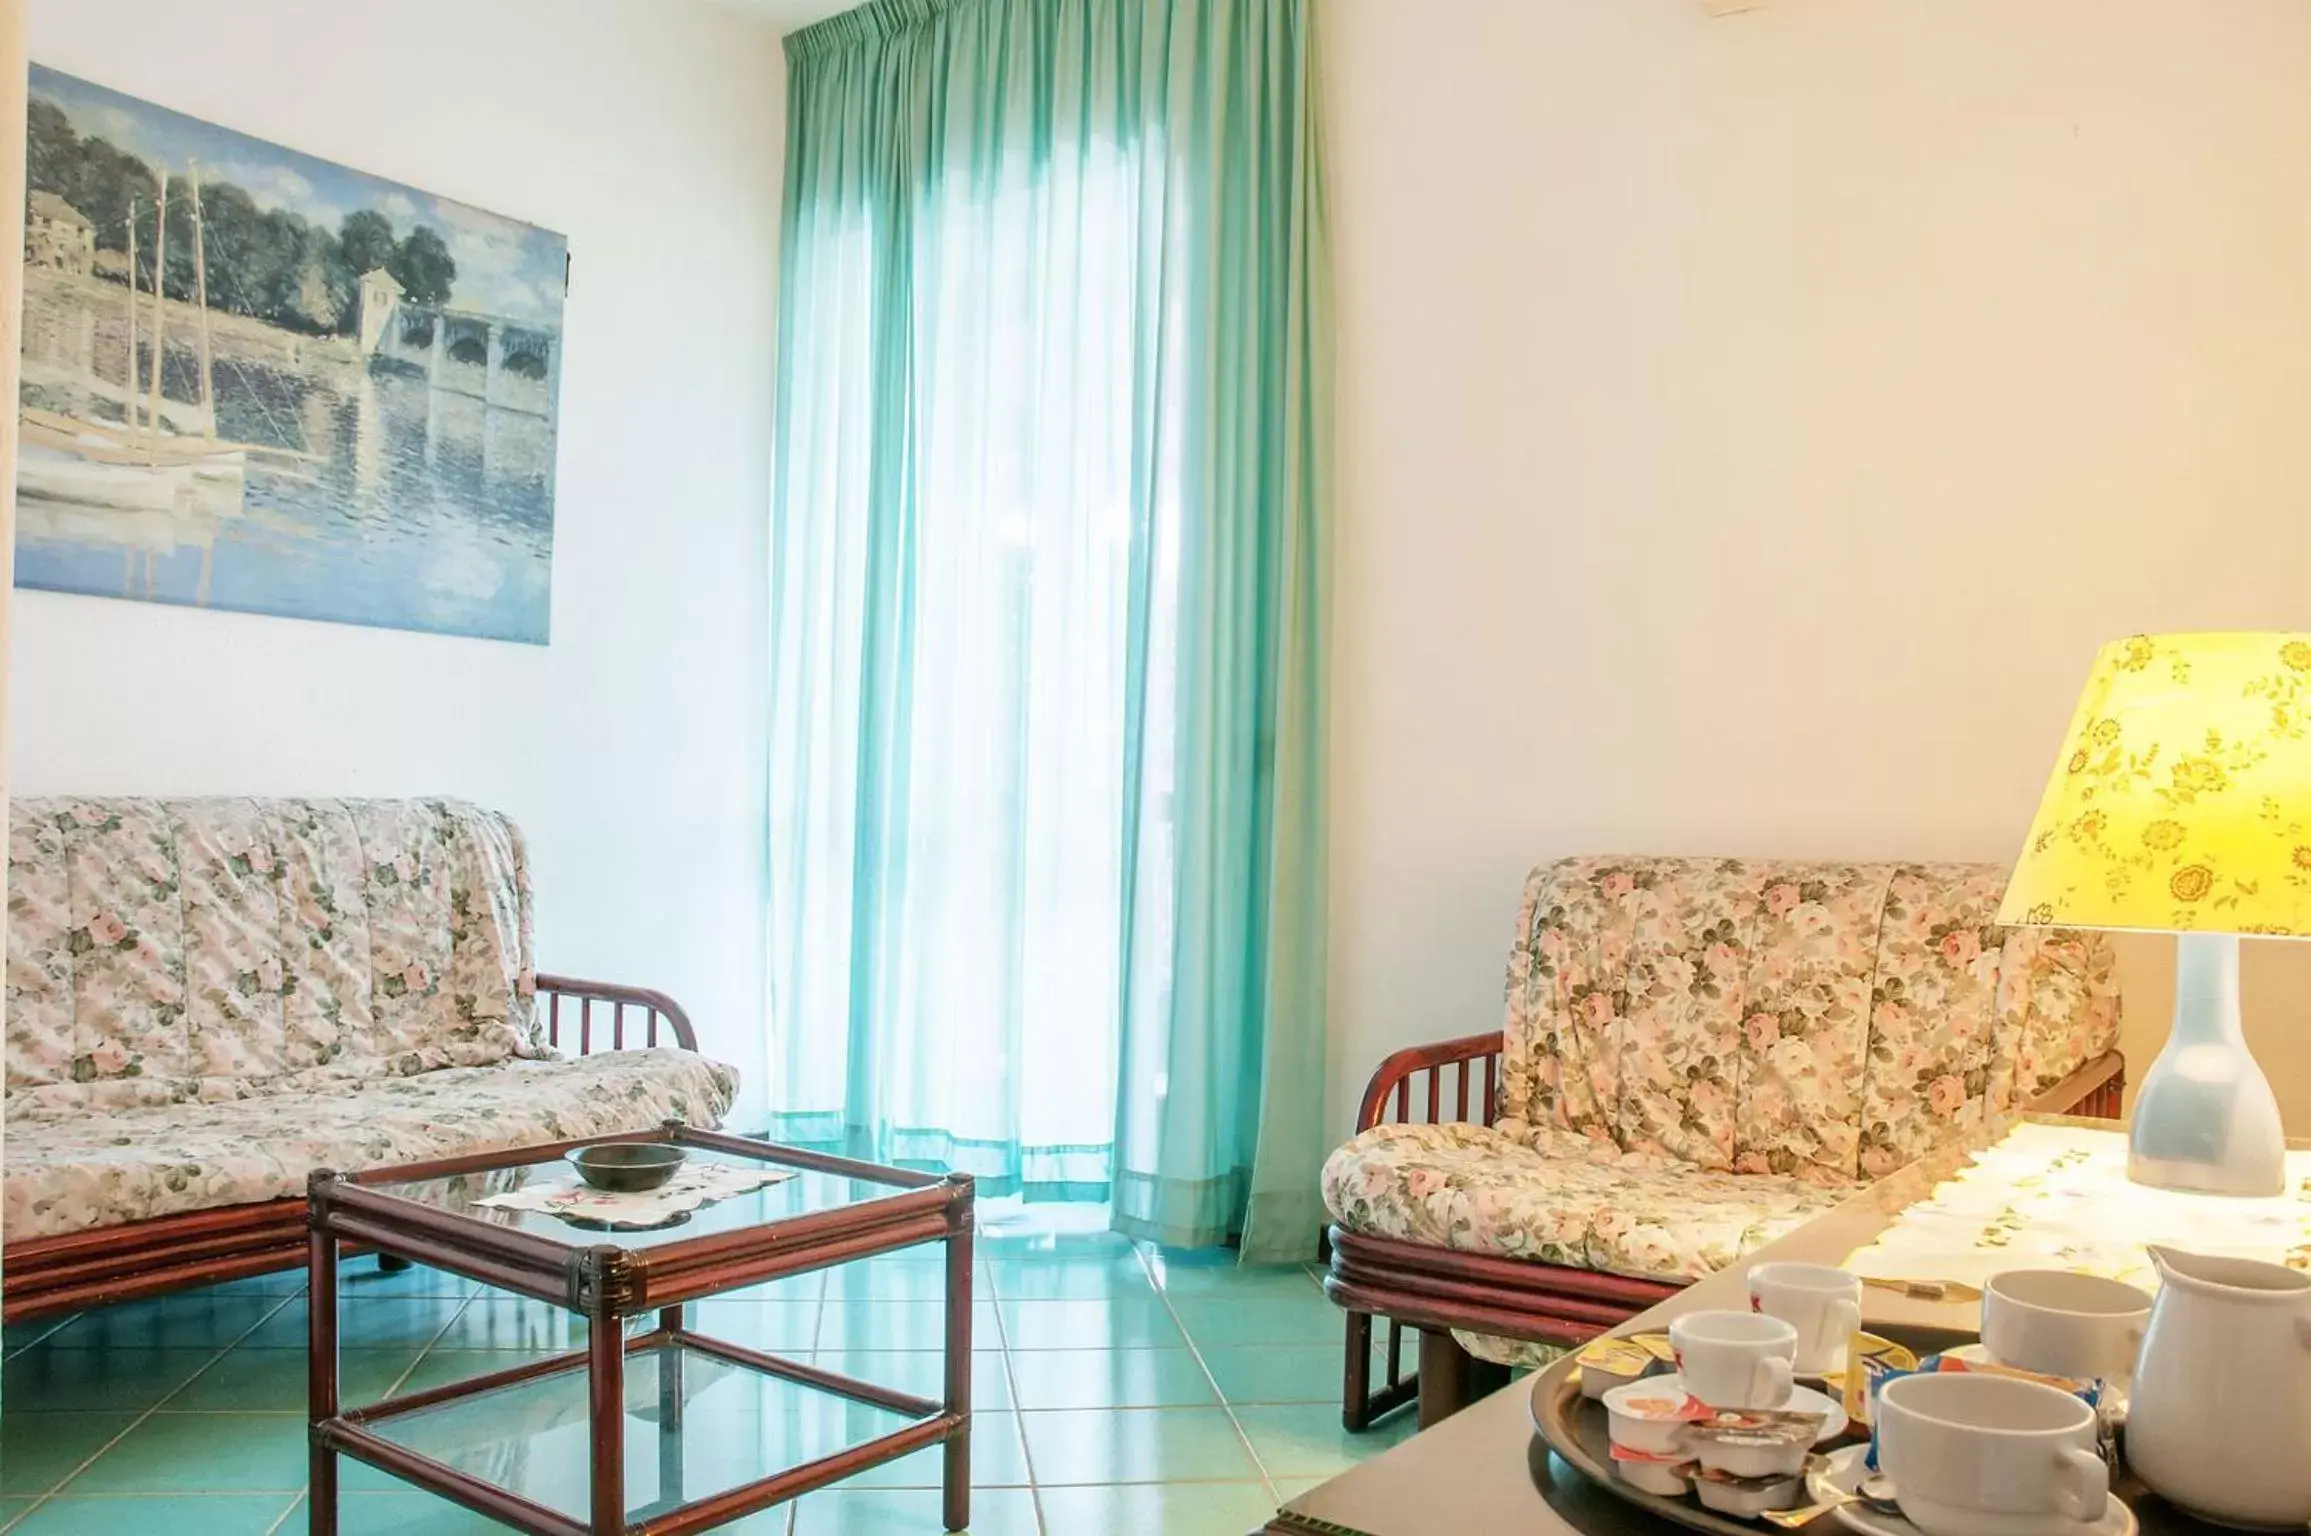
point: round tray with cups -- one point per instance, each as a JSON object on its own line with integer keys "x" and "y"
{"x": 1789, "y": 1415}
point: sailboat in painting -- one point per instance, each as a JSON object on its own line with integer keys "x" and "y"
{"x": 72, "y": 470}
{"x": 159, "y": 479}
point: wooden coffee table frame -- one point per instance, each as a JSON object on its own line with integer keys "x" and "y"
{"x": 606, "y": 1284}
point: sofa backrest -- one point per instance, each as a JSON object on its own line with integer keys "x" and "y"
{"x": 1830, "y": 1021}
{"x": 161, "y": 950}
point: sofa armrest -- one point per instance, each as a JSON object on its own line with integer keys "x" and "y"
{"x": 653, "y": 1005}
{"x": 2096, "y": 1091}
{"x": 1397, "y": 1076}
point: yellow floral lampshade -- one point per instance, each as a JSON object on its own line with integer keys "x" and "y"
{"x": 2182, "y": 799}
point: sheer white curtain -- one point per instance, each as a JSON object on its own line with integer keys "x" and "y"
{"x": 951, "y": 684}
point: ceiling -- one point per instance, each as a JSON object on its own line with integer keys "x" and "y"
{"x": 786, "y": 15}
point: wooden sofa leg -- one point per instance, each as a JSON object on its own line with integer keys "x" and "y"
{"x": 1356, "y": 1376}
{"x": 1451, "y": 1378}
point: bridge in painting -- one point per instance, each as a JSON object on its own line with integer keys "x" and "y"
{"x": 503, "y": 362}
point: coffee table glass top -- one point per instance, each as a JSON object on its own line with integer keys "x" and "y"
{"x": 800, "y": 1193}
{"x": 732, "y": 1426}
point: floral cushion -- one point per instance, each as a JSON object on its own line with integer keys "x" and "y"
{"x": 1821, "y": 1022}
{"x": 1559, "y": 1199}
{"x": 180, "y": 950}
{"x": 76, "y": 1169}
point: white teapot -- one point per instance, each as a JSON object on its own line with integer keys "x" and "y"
{"x": 2220, "y": 1418}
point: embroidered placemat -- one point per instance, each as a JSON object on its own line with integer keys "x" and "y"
{"x": 694, "y": 1185}
{"x": 2057, "y": 1197}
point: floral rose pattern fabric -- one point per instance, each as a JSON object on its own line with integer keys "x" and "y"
{"x": 221, "y": 968}
{"x": 95, "y": 1168}
{"x": 202, "y": 949}
{"x": 1569, "y": 1202}
{"x": 1827, "y": 1022}
{"x": 1699, "y": 1054}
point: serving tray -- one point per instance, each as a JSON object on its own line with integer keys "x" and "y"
{"x": 1577, "y": 1429}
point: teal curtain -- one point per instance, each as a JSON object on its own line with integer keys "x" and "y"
{"x": 1047, "y": 856}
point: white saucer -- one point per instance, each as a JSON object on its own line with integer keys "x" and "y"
{"x": 1801, "y": 1399}
{"x": 1843, "y": 1470}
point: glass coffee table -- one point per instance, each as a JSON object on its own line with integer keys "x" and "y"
{"x": 593, "y": 1441}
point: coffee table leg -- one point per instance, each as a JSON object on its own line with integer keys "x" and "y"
{"x": 321, "y": 1383}
{"x": 670, "y": 1395}
{"x": 955, "y": 1475}
{"x": 606, "y": 1380}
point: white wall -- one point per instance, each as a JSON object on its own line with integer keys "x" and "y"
{"x": 1751, "y": 426}
{"x": 648, "y": 132}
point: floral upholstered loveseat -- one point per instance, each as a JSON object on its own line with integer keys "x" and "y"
{"x": 1698, "y": 1055}
{"x": 210, "y": 998}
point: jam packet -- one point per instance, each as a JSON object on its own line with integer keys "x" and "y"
{"x": 1750, "y": 1498}
{"x": 1756, "y": 1426}
{"x": 2090, "y": 1390}
{"x": 1724, "y": 1479}
{"x": 1617, "y": 1357}
{"x": 1611, "y": 1362}
{"x": 1671, "y": 1406}
{"x": 1865, "y": 1352}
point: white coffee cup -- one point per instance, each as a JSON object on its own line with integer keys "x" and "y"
{"x": 1734, "y": 1359}
{"x": 1971, "y": 1454}
{"x": 1823, "y": 1304}
{"x": 2063, "y": 1324}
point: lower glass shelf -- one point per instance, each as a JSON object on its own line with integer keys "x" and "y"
{"x": 733, "y": 1425}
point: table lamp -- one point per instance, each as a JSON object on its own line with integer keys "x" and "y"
{"x": 2181, "y": 803}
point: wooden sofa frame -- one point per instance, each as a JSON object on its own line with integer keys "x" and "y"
{"x": 95, "y": 1268}
{"x": 1435, "y": 1290}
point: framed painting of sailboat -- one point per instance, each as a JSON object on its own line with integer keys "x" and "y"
{"x": 261, "y": 381}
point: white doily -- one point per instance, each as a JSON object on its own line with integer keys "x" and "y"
{"x": 693, "y": 1185}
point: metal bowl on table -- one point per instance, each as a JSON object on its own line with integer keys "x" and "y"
{"x": 627, "y": 1167}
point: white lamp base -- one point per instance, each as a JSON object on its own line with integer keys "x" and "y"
{"x": 2204, "y": 1118}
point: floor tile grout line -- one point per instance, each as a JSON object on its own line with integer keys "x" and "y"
{"x": 1011, "y": 1388}
{"x": 818, "y": 1344}
{"x": 45, "y": 1334}
{"x": 295, "y": 1504}
{"x": 818, "y": 1324}
{"x": 160, "y": 1404}
{"x": 424, "y": 1349}
{"x": 1164, "y": 1296}
{"x": 133, "y": 1424}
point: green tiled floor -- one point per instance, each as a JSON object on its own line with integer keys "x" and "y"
{"x": 1119, "y": 1391}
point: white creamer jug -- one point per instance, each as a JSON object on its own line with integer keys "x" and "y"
{"x": 2220, "y": 1419}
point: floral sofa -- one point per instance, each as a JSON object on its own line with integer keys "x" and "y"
{"x": 210, "y": 998}
{"x": 1698, "y": 1055}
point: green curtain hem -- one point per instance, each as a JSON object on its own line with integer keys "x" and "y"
{"x": 1281, "y": 1226}
{"x": 1172, "y": 1236}
{"x": 825, "y": 1131}
{"x": 1278, "y": 1228}
{"x": 1179, "y": 1213}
